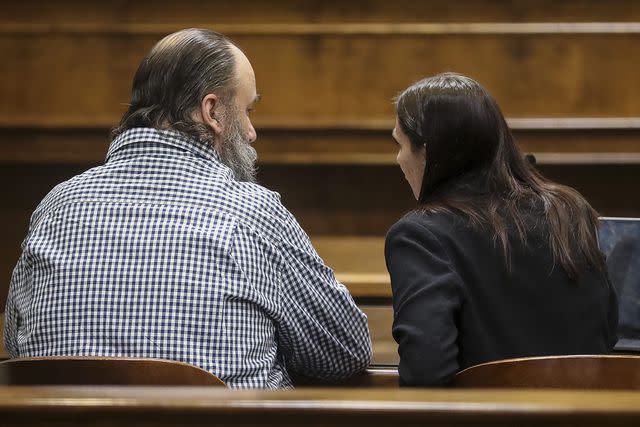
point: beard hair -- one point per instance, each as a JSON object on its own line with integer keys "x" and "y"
{"x": 237, "y": 153}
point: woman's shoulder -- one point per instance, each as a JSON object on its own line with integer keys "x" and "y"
{"x": 436, "y": 223}
{"x": 436, "y": 230}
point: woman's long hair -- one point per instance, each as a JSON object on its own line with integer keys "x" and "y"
{"x": 474, "y": 166}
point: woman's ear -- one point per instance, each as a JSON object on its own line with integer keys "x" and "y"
{"x": 208, "y": 111}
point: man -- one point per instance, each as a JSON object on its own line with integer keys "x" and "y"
{"x": 170, "y": 250}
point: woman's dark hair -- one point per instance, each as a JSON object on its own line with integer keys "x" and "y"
{"x": 474, "y": 166}
{"x": 172, "y": 79}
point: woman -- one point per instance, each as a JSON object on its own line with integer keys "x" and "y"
{"x": 497, "y": 261}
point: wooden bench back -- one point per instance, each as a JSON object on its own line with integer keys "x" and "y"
{"x": 581, "y": 372}
{"x": 102, "y": 371}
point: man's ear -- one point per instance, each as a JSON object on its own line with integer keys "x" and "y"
{"x": 208, "y": 111}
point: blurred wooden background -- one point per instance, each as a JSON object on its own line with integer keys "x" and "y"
{"x": 565, "y": 74}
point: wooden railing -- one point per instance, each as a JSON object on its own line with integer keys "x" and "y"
{"x": 190, "y": 406}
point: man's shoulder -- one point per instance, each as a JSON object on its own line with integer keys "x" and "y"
{"x": 254, "y": 194}
{"x": 66, "y": 191}
{"x": 203, "y": 190}
{"x": 253, "y": 200}
{"x": 261, "y": 209}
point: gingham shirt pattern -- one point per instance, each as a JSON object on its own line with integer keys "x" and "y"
{"x": 161, "y": 253}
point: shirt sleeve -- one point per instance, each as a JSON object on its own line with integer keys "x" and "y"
{"x": 426, "y": 301}
{"x": 322, "y": 332}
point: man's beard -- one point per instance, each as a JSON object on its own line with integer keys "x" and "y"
{"x": 237, "y": 153}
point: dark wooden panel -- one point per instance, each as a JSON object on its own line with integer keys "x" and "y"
{"x": 191, "y": 12}
{"x": 53, "y": 146}
{"x": 335, "y": 200}
{"x": 364, "y": 201}
{"x": 333, "y": 80}
{"x": 610, "y": 189}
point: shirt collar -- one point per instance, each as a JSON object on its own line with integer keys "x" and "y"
{"x": 165, "y": 137}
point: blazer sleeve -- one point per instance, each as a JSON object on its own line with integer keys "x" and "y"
{"x": 427, "y": 296}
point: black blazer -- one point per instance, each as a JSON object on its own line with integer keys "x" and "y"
{"x": 457, "y": 304}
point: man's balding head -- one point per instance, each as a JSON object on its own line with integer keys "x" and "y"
{"x": 198, "y": 82}
{"x": 174, "y": 77}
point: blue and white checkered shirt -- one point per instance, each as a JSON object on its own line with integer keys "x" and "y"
{"x": 161, "y": 253}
